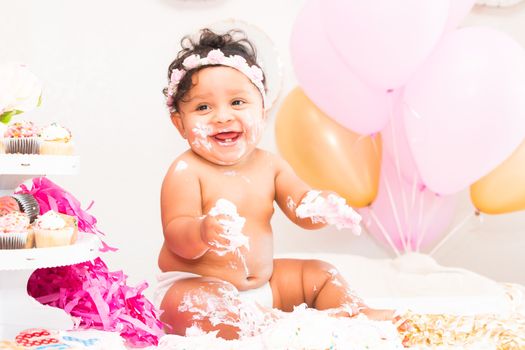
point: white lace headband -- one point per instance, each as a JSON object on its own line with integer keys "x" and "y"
{"x": 214, "y": 57}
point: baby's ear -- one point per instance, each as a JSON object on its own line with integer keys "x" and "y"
{"x": 176, "y": 119}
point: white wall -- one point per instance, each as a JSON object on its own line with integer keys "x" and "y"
{"x": 104, "y": 64}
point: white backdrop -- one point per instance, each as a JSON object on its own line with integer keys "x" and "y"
{"x": 104, "y": 63}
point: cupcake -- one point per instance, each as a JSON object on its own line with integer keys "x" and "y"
{"x": 7, "y": 205}
{"x": 22, "y": 137}
{"x": 56, "y": 140}
{"x": 28, "y": 205}
{"x": 15, "y": 232}
{"x": 54, "y": 229}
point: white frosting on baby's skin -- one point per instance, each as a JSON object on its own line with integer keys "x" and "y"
{"x": 51, "y": 220}
{"x": 201, "y": 132}
{"x": 290, "y": 203}
{"x": 232, "y": 226}
{"x": 230, "y": 173}
{"x": 332, "y": 210}
{"x": 225, "y": 307}
{"x": 256, "y": 126}
{"x": 181, "y": 165}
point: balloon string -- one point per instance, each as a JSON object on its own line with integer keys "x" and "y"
{"x": 396, "y": 216}
{"x": 398, "y": 170}
{"x": 411, "y": 226}
{"x": 452, "y": 232}
{"x": 431, "y": 214}
{"x": 383, "y": 231}
{"x": 392, "y": 203}
{"x": 420, "y": 213}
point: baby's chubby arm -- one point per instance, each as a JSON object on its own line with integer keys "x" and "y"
{"x": 289, "y": 192}
{"x": 186, "y": 232}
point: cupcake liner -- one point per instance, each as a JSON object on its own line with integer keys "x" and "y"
{"x": 56, "y": 148}
{"x": 24, "y": 145}
{"x": 18, "y": 240}
{"x": 28, "y": 205}
{"x": 54, "y": 238}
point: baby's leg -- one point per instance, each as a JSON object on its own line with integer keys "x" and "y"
{"x": 319, "y": 285}
{"x": 208, "y": 303}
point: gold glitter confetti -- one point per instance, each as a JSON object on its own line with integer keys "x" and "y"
{"x": 505, "y": 332}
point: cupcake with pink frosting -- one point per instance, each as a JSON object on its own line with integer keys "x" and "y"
{"x": 56, "y": 139}
{"x": 22, "y": 137}
{"x": 15, "y": 231}
{"x": 54, "y": 229}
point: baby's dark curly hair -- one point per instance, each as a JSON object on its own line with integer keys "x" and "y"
{"x": 233, "y": 42}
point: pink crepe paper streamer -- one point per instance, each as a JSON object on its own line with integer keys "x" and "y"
{"x": 100, "y": 299}
{"x": 50, "y": 196}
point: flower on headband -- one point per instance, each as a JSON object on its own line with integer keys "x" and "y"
{"x": 215, "y": 56}
{"x": 191, "y": 62}
{"x": 176, "y": 75}
{"x": 256, "y": 73}
{"x": 238, "y": 62}
{"x": 175, "y": 78}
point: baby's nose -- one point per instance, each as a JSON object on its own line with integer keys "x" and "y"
{"x": 223, "y": 117}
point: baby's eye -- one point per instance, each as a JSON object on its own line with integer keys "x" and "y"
{"x": 202, "y": 107}
{"x": 237, "y": 102}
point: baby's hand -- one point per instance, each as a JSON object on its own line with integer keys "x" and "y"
{"x": 330, "y": 208}
{"x": 212, "y": 232}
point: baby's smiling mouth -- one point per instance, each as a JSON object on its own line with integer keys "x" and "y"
{"x": 226, "y": 138}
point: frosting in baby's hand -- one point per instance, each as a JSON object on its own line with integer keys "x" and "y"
{"x": 232, "y": 226}
{"x": 332, "y": 210}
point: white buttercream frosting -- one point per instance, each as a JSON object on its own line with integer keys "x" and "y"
{"x": 50, "y": 221}
{"x": 332, "y": 210}
{"x": 232, "y": 225}
{"x": 54, "y": 132}
{"x": 303, "y": 328}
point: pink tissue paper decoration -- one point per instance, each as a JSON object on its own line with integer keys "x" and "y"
{"x": 50, "y": 196}
{"x": 100, "y": 299}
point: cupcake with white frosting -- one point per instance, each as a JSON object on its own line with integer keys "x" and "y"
{"x": 15, "y": 231}
{"x": 54, "y": 229}
{"x": 56, "y": 140}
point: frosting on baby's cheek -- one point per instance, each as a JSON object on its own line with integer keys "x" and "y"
{"x": 255, "y": 127}
{"x": 200, "y": 134}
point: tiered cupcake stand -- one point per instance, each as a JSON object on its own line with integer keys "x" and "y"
{"x": 18, "y": 310}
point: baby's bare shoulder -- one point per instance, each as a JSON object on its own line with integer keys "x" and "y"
{"x": 185, "y": 164}
{"x": 272, "y": 159}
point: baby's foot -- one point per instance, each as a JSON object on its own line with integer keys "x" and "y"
{"x": 378, "y": 314}
{"x": 401, "y": 324}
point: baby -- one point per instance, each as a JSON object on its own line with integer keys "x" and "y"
{"x": 217, "y": 201}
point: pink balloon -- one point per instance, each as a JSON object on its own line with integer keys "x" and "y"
{"x": 329, "y": 83}
{"x": 396, "y": 146}
{"x": 384, "y": 41}
{"x": 457, "y": 13}
{"x": 464, "y": 111}
{"x": 413, "y": 218}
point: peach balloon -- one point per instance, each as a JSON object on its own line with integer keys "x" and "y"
{"x": 503, "y": 189}
{"x": 326, "y": 155}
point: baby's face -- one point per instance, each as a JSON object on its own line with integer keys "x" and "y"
{"x": 222, "y": 115}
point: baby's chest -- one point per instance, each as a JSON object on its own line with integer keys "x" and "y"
{"x": 248, "y": 191}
